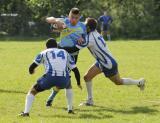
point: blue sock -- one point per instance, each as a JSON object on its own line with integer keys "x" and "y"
{"x": 52, "y": 96}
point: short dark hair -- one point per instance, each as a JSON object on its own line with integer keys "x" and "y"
{"x": 51, "y": 43}
{"x": 91, "y": 23}
{"x": 75, "y": 11}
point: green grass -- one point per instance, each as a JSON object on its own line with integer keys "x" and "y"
{"x": 114, "y": 104}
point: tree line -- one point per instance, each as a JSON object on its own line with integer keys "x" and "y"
{"x": 131, "y": 18}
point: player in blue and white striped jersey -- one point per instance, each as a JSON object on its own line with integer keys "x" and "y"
{"x": 57, "y": 63}
{"x": 105, "y": 62}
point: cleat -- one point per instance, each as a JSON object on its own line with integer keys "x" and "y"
{"x": 22, "y": 114}
{"x": 141, "y": 84}
{"x": 49, "y": 103}
{"x": 71, "y": 112}
{"x": 87, "y": 103}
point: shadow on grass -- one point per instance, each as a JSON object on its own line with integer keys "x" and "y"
{"x": 133, "y": 110}
{"x": 79, "y": 116}
{"x": 12, "y": 91}
{"x": 101, "y": 112}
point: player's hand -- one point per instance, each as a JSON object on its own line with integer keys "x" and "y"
{"x": 31, "y": 71}
{"x": 80, "y": 41}
{"x": 80, "y": 87}
{"x": 60, "y": 25}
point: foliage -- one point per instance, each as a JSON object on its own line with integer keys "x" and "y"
{"x": 132, "y": 18}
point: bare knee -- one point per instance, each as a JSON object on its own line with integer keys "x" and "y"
{"x": 33, "y": 91}
{"x": 117, "y": 81}
{"x": 86, "y": 78}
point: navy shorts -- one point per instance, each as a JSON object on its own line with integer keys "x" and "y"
{"x": 48, "y": 81}
{"x": 105, "y": 27}
{"x": 108, "y": 72}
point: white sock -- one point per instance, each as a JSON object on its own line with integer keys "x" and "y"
{"x": 69, "y": 96}
{"x": 109, "y": 37}
{"x": 89, "y": 90}
{"x": 129, "y": 81}
{"x": 28, "y": 103}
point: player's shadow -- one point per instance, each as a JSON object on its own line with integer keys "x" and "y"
{"x": 132, "y": 110}
{"x": 12, "y": 91}
{"x": 79, "y": 116}
{"x": 101, "y": 112}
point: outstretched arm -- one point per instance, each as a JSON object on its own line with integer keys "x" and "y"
{"x": 77, "y": 76}
{"x": 51, "y": 20}
{"x": 37, "y": 61}
{"x": 56, "y": 21}
{"x": 32, "y": 67}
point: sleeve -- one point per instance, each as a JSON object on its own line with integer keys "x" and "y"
{"x": 71, "y": 63}
{"x": 85, "y": 43}
{"x": 100, "y": 19}
{"x": 66, "y": 20}
{"x": 39, "y": 59}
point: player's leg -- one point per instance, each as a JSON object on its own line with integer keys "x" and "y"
{"x": 108, "y": 32}
{"x": 114, "y": 76}
{"x": 43, "y": 83}
{"x": 69, "y": 97}
{"x": 64, "y": 82}
{"x": 69, "y": 92}
{"x": 93, "y": 71}
{"x": 51, "y": 97}
{"x": 127, "y": 81}
{"x": 108, "y": 35}
{"x": 102, "y": 30}
{"x": 30, "y": 98}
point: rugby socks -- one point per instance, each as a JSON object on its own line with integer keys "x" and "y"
{"x": 28, "y": 103}
{"x": 69, "y": 96}
{"x": 109, "y": 37}
{"x": 129, "y": 81}
{"x": 53, "y": 94}
{"x": 89, "y": 90}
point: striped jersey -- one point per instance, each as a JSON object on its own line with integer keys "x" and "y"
{"x": 56, "y": 61}
{"x": 98, "y": 48}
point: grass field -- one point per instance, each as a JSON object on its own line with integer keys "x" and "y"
{"x": 113, "y": 104}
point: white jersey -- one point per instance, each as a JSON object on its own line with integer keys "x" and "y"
{"x": 99, "y": 50}
{"x": 56, "y": 61}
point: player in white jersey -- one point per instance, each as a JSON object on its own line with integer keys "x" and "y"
{"x": 105, "y": 63}
{"x": 57, "y": 63}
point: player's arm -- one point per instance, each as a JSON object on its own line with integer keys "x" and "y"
{"x": 84, "y": 43}
{"x": 77, "y": 76}
{"x": 72, "y": 66}
{"x": 100, "y": 19}
{"x": 110, "y": 20}
{"x": 56, "y": 21}
{"x": 51, "y": 20}
{"x": 37, "y": 61}
{"x": 32, "y": 67}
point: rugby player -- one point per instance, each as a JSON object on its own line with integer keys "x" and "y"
{"x": 57, "y": 63}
